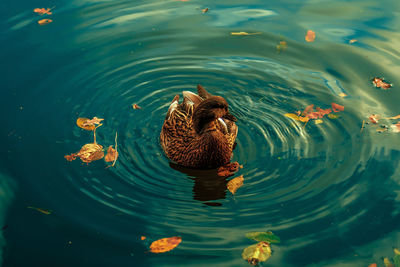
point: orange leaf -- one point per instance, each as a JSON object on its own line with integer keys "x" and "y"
{"x": 142, "y": 237}
{"x": 81, "y": 122}
{"x": 310, "y": 36}
{"x": 378, "y": 82}
{"x": 374, "y": 118}
{"x": 204, "y": 10}
{"x": 235, "y": 183}
{"x": 373, "y": 265}
{"x": 165, "y": 244}
{"x": 42, "y": 11}
{"x": 337, "y": 107}
{"x": 44, "y": 21}
{"x": 135, "y": 106}
{"x": 393, "y": 118}
{"x": 112, "y": 154}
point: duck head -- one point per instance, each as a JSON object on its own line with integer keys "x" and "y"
{"x": 210, "y": 113}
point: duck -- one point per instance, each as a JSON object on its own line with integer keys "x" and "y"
{"x": 200, "y": 132}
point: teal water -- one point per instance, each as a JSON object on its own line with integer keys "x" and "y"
{"x": 329, "y": 191}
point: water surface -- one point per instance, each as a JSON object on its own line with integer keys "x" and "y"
{"x": 329, "y": 191}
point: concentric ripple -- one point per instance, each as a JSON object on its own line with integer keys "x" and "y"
{"x": 309, "y": 183}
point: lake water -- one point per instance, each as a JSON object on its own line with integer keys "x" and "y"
{"x": 330, "y": 191}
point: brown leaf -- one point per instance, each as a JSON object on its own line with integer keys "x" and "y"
{"x": 235, "y": 183}
{"x": 88, "y": 153}
{"x": 310, "y": 36}
{"x": 165, "y": 244}
{"x": 81, "y": 122}
{"x": 112, "y": 154}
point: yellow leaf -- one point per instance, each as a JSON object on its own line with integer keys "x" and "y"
{"x": 257, "y": 253}
{"x": 165, "y": 244}
{"x": 387, "y": 262}
{"x": 396, "y": 251}
{"x": 244, "y": 33}
{"x": 235, "y": 183}
{"x": 319, "y": 121}
{"x": 81, "y": 122}
{"x": 296, "y": 117}
{"x": 47, "y": 212}
{"x": 342, "y": 94}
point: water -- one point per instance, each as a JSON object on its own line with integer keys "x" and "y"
{"x": 329, "y": 191}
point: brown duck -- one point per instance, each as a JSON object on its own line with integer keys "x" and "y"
{"x": 200, "y": 132}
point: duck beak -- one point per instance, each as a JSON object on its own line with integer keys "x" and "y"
{"x": 230, "y": 117}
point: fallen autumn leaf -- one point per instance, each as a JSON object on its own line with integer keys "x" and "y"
{"x": 165, "y": 244}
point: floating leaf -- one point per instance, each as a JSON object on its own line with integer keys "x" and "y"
{"x": 380, "y": 83}
{"x": 333, "y": 116}
{"x": 373, "y": 118}
{"x": 88, "y": 153}
{"x": 257, "y": 253}
{"x": 42, "y": 11}
{"x": 111, "y": 155}
{"x": 388, "y": 263}
{"x": 353, "y": 41}
{"x": 395, "y": 127}
{"x": 44, "y": 21}
{"x": 296, "y": 117}
{"x": 47, "y": 212}
{"x": 342, "y": 94}
{"x": 165, "y": 244}
{"x": 396, "y": 257}
{"x": 135, "y": 106}
{"x": 93, "y": 122}
{"x": 244, "y": 33}
{"x": 235, "y": 183}
{"x": 142, "y": 237}
{"x": 310, "y": 36}
{"x": 81, "y": 122}
{"x": 204, "y": 10}
{"x": 319, "y": 121}
{"x": 264, "y": 236}
{"x": 373, "y": 265}
{"x": 281, "y": 46}
{"x": 393, "y": 118}
{"x": 337, "y": 107}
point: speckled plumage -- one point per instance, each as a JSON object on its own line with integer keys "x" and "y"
{"x": 200, "y": 132}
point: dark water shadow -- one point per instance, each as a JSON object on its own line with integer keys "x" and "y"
{"x": 208, "y": 186}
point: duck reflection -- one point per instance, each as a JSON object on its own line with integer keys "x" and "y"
{"x": 208, "y": 186}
